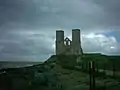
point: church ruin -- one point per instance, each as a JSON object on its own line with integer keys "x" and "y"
{"x": 65, "y": 46}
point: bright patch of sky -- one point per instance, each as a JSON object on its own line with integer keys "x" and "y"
{"x": 112, "y": 33}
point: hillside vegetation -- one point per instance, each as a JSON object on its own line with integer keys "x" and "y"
{"x": 61, "y": 72}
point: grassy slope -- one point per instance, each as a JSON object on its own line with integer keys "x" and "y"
{"x": 77, "y": 80}
{"x": 103, "y": 61}
{"x": 68, "y": 77}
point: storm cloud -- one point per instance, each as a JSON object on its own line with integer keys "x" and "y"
{"x": 27, "y": 27}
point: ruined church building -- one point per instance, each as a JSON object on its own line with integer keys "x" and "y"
{"x": 65, "y": 46}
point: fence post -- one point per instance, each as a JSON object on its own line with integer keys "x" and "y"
{"x": 97, "y": 66}
{"x": 113, "y": 69}
{"x": 92, "y": 75}
{"x": 104, "y": 68}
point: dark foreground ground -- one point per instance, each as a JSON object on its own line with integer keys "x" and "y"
{"x": 54, "y": 74}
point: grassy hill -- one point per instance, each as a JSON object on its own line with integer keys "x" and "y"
{"x": 61, "y": 72}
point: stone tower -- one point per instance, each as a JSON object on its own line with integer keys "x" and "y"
{"x": 76, "y": 42}
{"x": 66, "y": 46}
{"x": 59, "y": 42}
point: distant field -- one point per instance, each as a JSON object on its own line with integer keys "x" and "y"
{"x": 103, "y": 61}
{"x": 13, "y": 64}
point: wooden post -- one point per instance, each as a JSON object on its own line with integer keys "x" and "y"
{"x": 97, "y": 66}
{"x": 104, "y": 68}
{"x": 113, "y": 69}
{"x": 92, "y": 75}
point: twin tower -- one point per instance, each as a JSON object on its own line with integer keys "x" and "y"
{"x": 65, "y": 46}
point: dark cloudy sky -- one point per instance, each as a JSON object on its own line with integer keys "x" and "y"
{"x": 27, "y": 27}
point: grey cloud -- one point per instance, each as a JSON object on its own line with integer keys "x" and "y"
{"x": 39, "y": 14}
{"x": 111, "y": 7}
{"x": 27, "y": 27}
{"x": 27, "y": 46}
